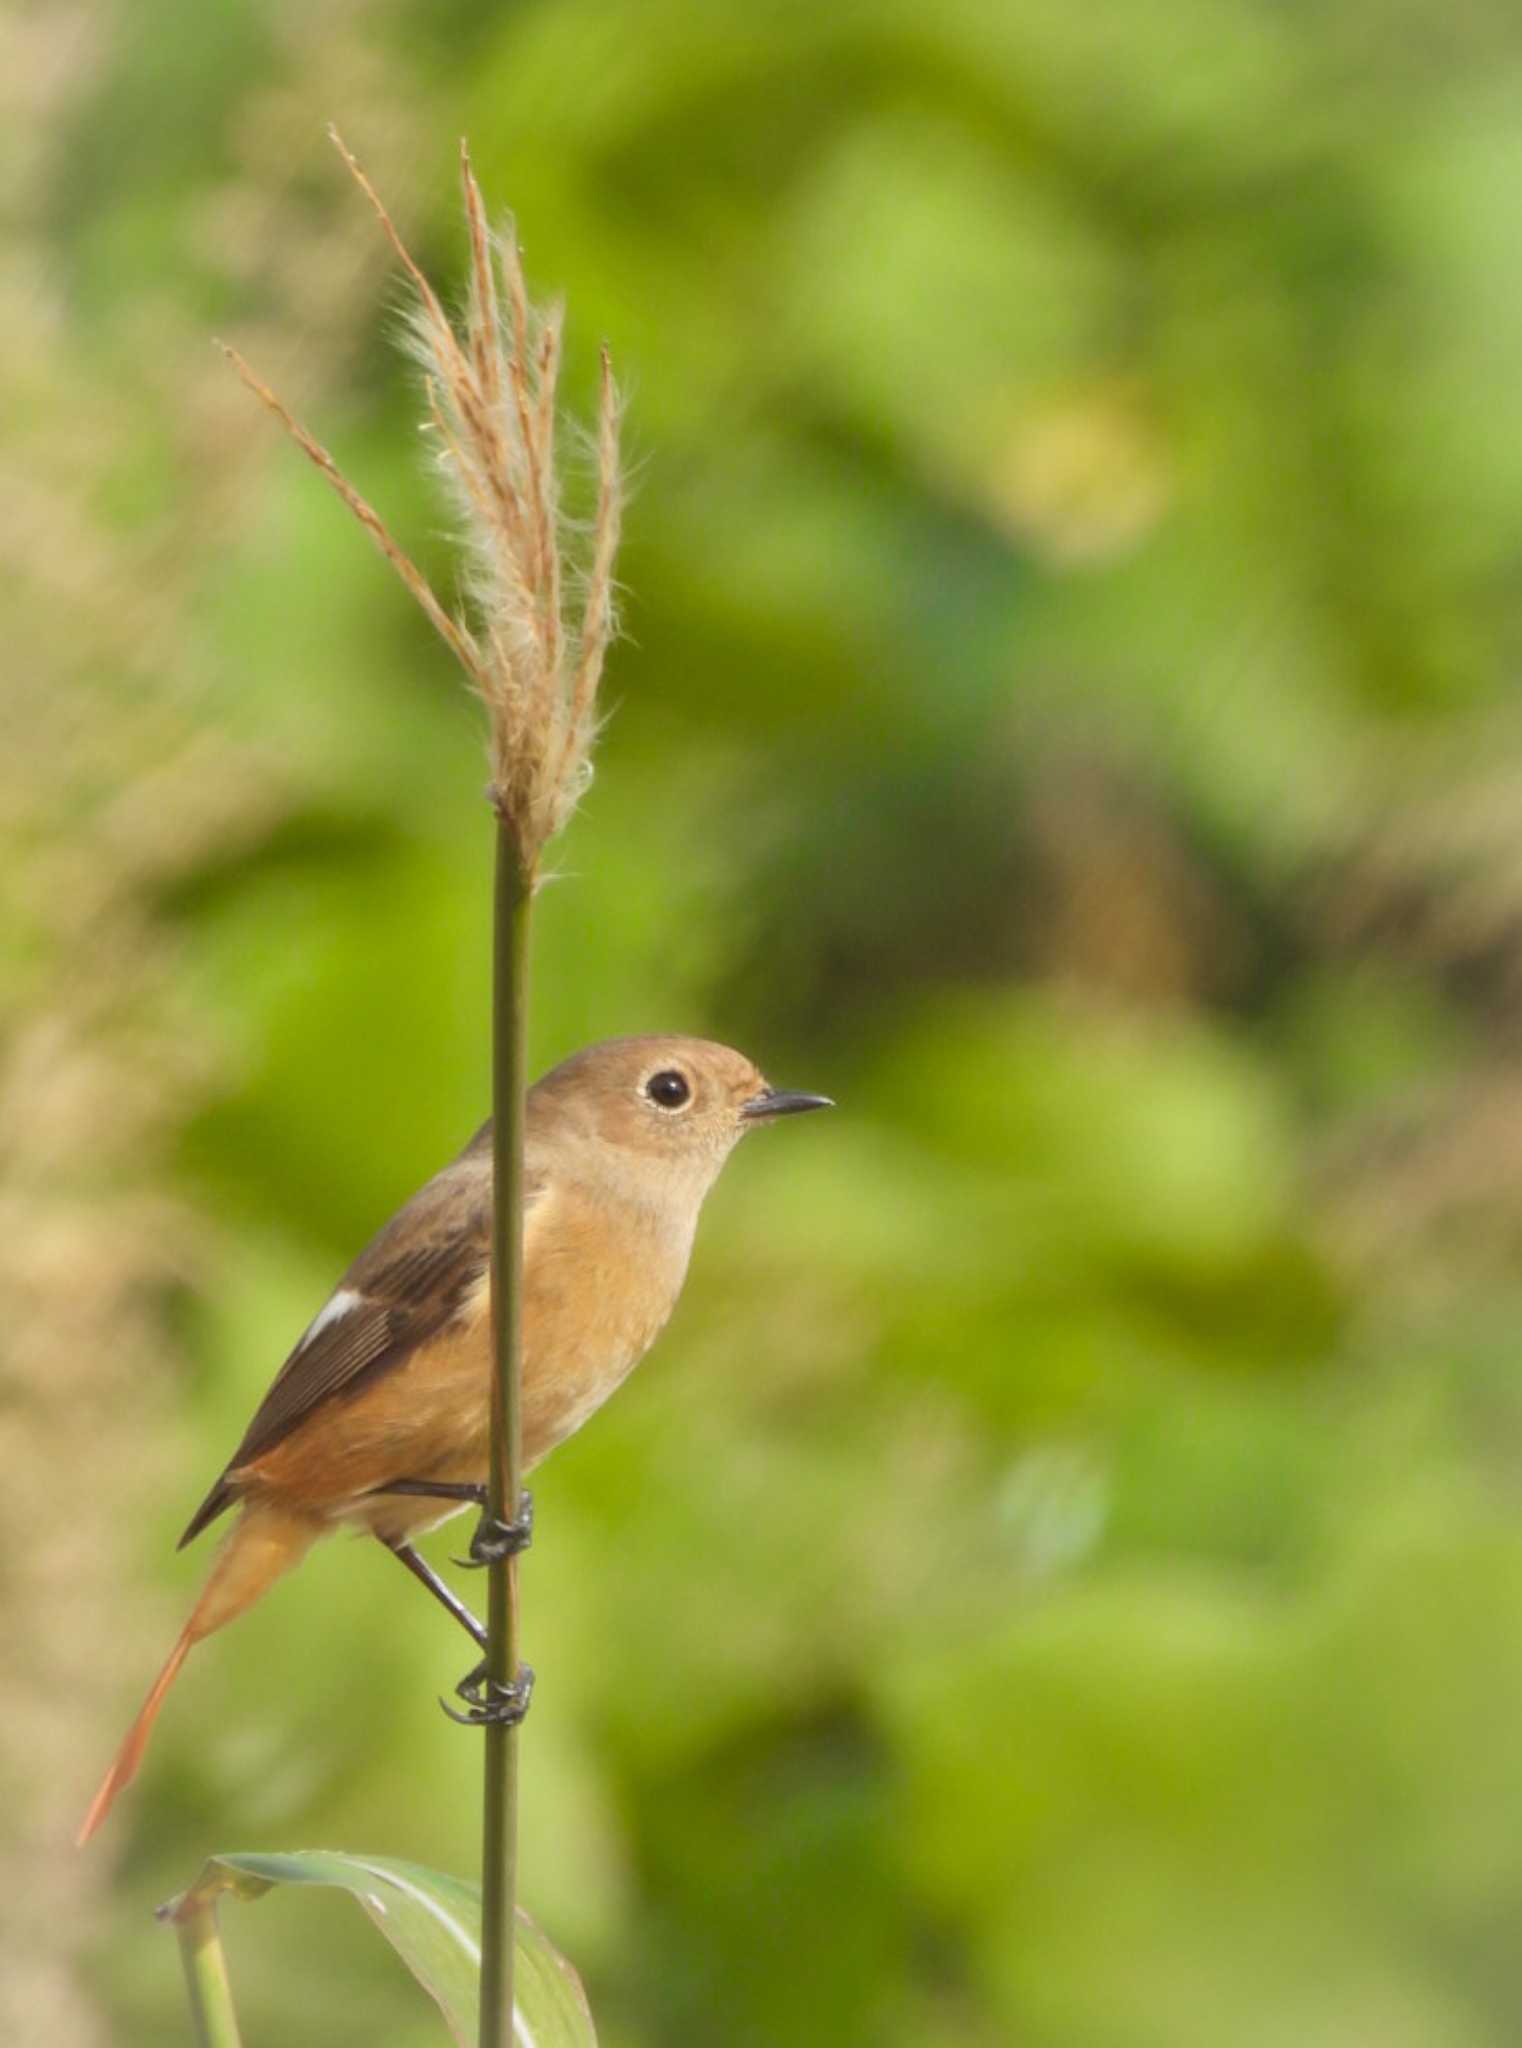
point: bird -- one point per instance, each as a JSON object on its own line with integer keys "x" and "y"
{"x": 379, "y": 1418}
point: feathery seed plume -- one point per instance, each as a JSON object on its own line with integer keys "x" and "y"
{"x": 491, "y": 382}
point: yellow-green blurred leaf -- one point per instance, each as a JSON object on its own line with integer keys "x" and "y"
{"x": 433, "y": 1921}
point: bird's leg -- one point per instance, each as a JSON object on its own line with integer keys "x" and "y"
{"x": 490, "y": 1703}
{"x": 436, "y": 1489}
{"x": 424, "y": 1572}
{"x": 487, "y": 1702}
{"x": 492, "y": 1540}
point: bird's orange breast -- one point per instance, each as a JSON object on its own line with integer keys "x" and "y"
{"x": 597, "y": 1290}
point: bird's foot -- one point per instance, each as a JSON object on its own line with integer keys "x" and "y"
{"x": 493, "y": 1539}
{"x": 492, "y": 1702}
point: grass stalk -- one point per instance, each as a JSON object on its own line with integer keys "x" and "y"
{"x": 499, "y": 1839}
{"x": 206, "y": 1979}
{"x": 491, "y": 397}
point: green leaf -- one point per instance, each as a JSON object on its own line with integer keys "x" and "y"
{"x": 433, "y": 1921}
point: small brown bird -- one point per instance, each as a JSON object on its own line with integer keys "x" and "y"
{"x": 378, "y": 1419}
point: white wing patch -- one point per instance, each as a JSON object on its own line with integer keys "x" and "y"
{"x": 342, "y": 1303}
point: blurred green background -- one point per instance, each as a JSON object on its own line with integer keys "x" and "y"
{"x": 1059, "y": 1580}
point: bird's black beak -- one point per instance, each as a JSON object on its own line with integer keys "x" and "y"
{"x": 781, "y": 1102}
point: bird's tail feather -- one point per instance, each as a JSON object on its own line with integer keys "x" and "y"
{"x": 266, "y": 1542}
{"x": 124, "y": 1767}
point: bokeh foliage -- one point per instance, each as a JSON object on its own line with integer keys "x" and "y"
{"x": 1060, "y": 1579}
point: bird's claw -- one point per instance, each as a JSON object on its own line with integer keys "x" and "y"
{"x": 494, "y": 1540}
{"x": 492, "y": 1702}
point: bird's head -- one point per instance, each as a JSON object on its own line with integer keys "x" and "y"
{"x": 681, "y": 1102}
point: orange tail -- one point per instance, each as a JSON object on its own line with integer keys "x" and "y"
{"x": 130, "y": 1755}
{"x": 265, "y": 1543}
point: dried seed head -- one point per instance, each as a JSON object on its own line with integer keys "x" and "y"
{"x": 490, "y": 382}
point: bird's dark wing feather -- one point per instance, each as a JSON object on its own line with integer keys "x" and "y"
{"x": 402, "y": 1289}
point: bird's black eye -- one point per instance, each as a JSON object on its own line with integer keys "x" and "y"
{"x": 668, "y": 1088}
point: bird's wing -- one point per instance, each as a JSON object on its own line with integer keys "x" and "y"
{"x": 402, "y": 1289}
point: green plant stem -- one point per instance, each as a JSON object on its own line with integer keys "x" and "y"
{"x": 206, "y": 1980}
{"x": 499, "y": 1846}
